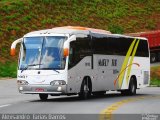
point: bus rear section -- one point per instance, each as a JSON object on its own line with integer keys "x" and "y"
{"x": 154, "y": 43}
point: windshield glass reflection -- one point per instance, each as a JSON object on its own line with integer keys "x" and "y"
{"x": 45, "y": 52}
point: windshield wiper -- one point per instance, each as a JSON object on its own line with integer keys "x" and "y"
{"x": 35, "y": 65}
{"x": 55, "y": 70}
{"x": 28, "y": 66}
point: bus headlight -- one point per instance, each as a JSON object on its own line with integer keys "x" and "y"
{"x": 58, "y": 82}
{"x": 22, "y": 82}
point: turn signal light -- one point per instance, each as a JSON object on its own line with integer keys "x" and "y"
{"x": 66, "y": 52}
{"x": 13, "y": 52}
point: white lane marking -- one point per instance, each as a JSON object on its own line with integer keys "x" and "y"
{"x": 5, "y": 105}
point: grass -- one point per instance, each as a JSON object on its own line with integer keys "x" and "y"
{"x": 155, "y": 82}
{"x": 151, "y": 24}
{"x": 155, "y": 76}
{"x": 9, "y": 28}
{"x": 8, "y": 69}
{"x": 46, "y": 21}
{"x": 115, "y": 29}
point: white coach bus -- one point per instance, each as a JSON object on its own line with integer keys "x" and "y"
{"x": 77, "y": 60}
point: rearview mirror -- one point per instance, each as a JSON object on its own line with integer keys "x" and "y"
{"x": 13, "y": 46}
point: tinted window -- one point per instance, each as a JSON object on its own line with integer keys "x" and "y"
{"x": 79, "y": 49}
{"x": 111, "y": 45}
{"x": 142, "y": 49}
{"x": 118, "y": 46}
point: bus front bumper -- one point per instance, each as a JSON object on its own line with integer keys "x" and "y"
{"x": 42, "y": 89}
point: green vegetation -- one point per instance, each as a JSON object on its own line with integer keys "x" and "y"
{"x": 115, "y": 29}
{"x": 155, "y": 82}
{"x": 155, "y": 76}
{"x": 8, "y": 69}
{"x": 18, "y": 17}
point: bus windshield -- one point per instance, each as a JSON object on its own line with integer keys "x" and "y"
{"x": 42, "y": 53}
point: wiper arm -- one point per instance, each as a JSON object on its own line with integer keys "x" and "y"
{"x": 55, "y": 70}
{"x": 28, "y": 66}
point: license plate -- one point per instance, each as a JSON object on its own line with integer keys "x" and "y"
{"x": 39, "y": 90}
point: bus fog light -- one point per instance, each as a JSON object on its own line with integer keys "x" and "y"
{"x": 59, "y": 89}
{"x": 20, "y": 88}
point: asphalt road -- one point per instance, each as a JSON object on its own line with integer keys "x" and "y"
{"x": 146, "y": 104}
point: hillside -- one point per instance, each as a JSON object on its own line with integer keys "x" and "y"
{"x": 18, "y": 17}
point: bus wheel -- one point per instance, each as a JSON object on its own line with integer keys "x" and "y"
{"x": 153, "y": 57}
{"x": 132, "y": 87}
{"x": 43, "y": 97}
{"x": 124, "y": 92}
{"x": 85, "y": 90}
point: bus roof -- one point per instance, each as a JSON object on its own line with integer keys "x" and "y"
{"x": 68, "y": 30}
{"x": 75, "y": 30}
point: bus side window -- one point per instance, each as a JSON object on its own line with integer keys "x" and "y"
{"x": 78, "y": 50}
{"x": 142, "y": 50}
{"x": 71, "y": 54}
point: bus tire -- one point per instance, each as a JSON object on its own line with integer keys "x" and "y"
{"x": 132, "y": 86}
{"x": 85, "y": 91}
{"x": 43, "y": 97}
{"x": 153, "y": 58}
{"x": 124, "y": 92}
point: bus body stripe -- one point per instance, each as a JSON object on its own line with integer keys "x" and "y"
{"x": 131, "y": 60}
{"x": 125, "y": 63}
{"x": 115, "y": 81}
